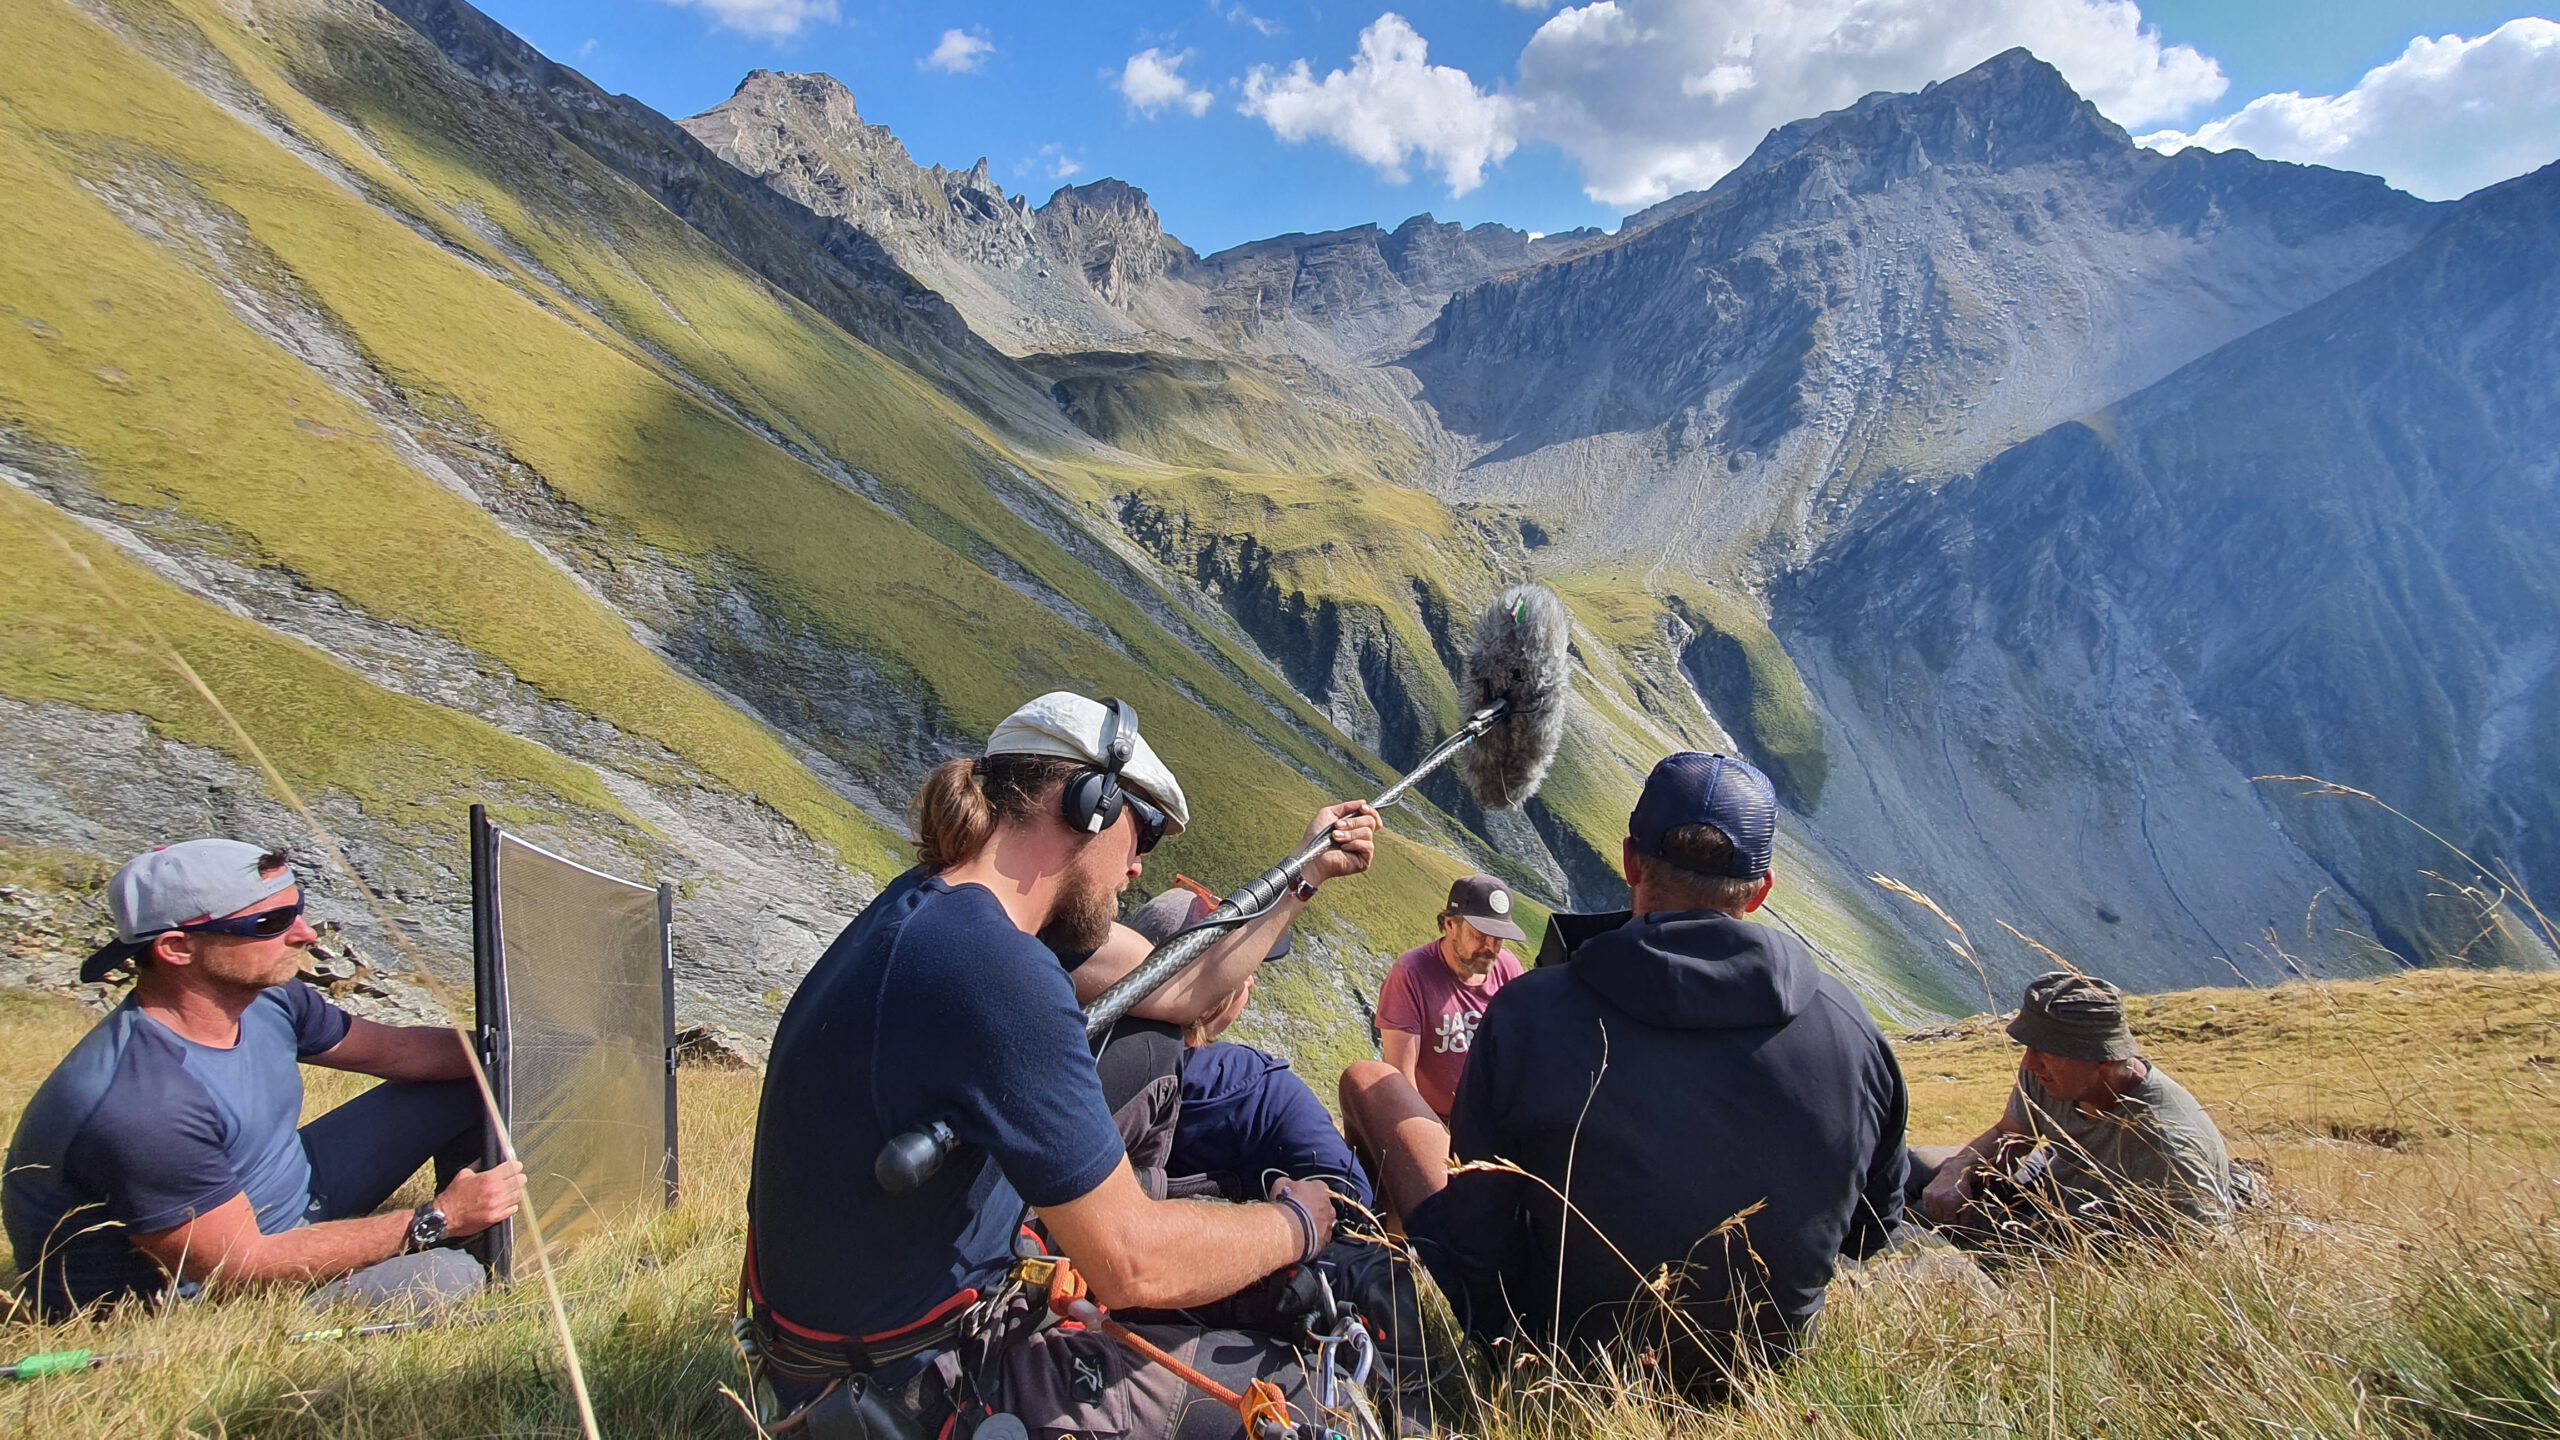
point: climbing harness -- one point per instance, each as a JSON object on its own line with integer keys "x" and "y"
{"x": 1260, "y": 1405}
{"x": 1345, "y": 1356}
{"x": 810, "y": 1359}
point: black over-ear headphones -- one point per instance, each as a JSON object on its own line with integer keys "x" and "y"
{"x": 1092, "y": 800}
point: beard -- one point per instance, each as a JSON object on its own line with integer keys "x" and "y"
{"x": 1082, "y": 918}
{"x": 1471, "y": 957}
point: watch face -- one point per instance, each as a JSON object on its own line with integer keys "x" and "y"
{"x": 426, "y": 1229}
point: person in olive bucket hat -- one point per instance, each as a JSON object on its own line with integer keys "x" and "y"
{"x": 2096, "y": 1139}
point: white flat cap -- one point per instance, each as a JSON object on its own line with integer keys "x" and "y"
{"x": 1071, "y": 727}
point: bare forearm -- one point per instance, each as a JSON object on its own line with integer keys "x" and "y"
{"x": 1226, "y": 965}
{"x": 305, "y": 1255}
{"x": 432, "y": 1052}
{"x": 1190, "y": 1252}
{"x": 401, "y": 1052}
{"x": 1403, "y": 1050}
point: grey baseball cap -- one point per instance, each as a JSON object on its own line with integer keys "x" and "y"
{"x": 1485, "y": 903}
{"x": 1071, "y": 727}
{"x": 1178, "y": 907}
{"x": 177, "y": 885}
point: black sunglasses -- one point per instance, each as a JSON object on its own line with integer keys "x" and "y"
{"x": 1151, "y": 822}
{"x": 265, "y": 925}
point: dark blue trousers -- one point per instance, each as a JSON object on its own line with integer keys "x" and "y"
{"x": 369, "y": 1147}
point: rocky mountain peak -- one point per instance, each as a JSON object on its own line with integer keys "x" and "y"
{"x": 778, "y": 119}
{"x": 1102, "y": 196}
{"x": 2011, "y": 110}
{"x": 1110, "y": 232}
{"x": 815, "y": 94}
{"x": 977, "y": 180}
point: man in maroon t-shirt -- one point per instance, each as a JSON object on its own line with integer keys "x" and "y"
{"x": 1435, "y": 994}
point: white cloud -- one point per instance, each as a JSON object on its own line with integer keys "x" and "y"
{"x": 1654, "y": 97}
{"x": 959, "y": 52}
{"x": 1239, "y": 15}
{"x": 1531, "y": 4}
{"x": 1153, "y": 80}
{"x": 773, "y": 19}
{"x": 586, "y": 47}
{"x": 2447, "y": 117}
{"x": 1051, "y": 160}
{"x": 1390, "y": 107}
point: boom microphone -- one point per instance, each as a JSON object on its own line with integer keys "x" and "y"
{"x": 1516, "y": 678}
{"x": 1518, "y": 661}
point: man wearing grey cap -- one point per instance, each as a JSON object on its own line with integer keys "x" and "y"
{"x": 168, "y": 1145}
{"x": 1723, "y": 1118}
{"x": 2096, "y": 1139}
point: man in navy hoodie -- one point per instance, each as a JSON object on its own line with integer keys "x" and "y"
{"x": 1724, "y": 1119}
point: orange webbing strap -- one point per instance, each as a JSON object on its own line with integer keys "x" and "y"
{"x": 1262, "y": 1407}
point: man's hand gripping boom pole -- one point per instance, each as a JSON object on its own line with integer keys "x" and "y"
{"x": 1249, "y": 900}
{"x": 1517, "y": 672}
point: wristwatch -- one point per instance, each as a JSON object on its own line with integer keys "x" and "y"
{"x": 1305, "y": 890}
{"x": 426, "y": 1229}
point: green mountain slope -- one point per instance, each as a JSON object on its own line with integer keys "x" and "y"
{"x": 472, "y": 447}
{"x": 493, "y": 397}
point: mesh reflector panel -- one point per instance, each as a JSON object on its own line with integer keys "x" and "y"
{"x": 576, "y": 1007}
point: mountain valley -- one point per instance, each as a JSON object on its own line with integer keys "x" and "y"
{"x": 686, "y": 489}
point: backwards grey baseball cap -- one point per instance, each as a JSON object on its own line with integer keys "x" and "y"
{"x": 1179, "y": 907}
{"x": 1072, "y": 727}
{"x": 176, "y": 885}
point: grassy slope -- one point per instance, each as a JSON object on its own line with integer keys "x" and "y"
{"x": 2393, "y": 1291}
{"x": 206, "y": 421}
{"x": 135, "y": 363}
{"x": 1220, "y": 414}
{"x": 322, "y": 725}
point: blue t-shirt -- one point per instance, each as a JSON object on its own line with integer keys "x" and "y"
{"x": 931, "y": 1005}
{"x": 1245, "y": 1113}
{"x": 142, "y": 1129}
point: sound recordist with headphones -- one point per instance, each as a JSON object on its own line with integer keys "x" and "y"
{"x": 880, "y": 1314}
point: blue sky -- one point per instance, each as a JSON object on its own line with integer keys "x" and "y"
{"x": 1548, "y": 116}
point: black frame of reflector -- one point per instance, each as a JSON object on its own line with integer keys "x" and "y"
{"x": 489, "y": 1027}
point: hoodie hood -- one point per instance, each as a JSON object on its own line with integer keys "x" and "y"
{"x": 1698, "y": 970}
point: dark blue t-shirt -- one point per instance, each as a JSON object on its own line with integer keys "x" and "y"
{"x": 1245, "y": 1113}
{"x": 142, "y": 1129}
{"x": 931, "y": 1005}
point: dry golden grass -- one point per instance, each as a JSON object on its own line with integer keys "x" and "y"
{"x": 2404, "y": 1283}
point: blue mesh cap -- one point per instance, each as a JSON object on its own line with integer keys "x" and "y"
{"x": 1719, "y": 790}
